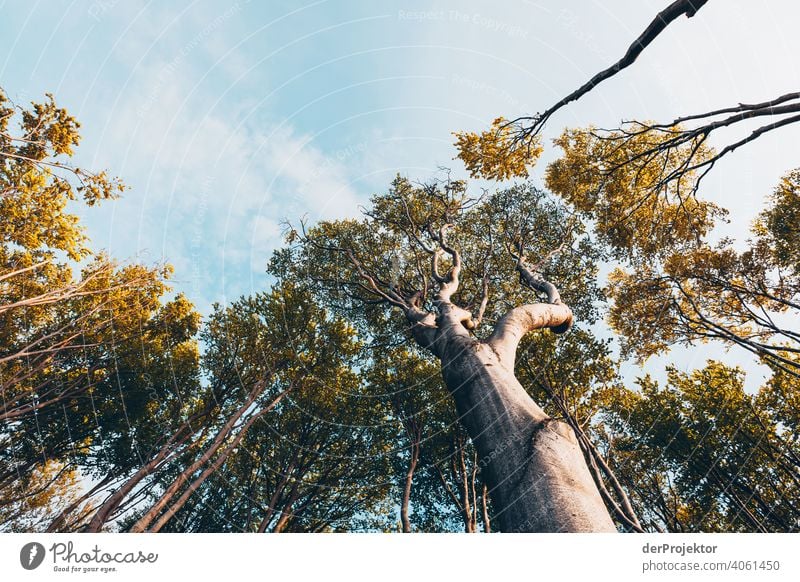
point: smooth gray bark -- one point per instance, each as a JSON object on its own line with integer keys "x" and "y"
{"x": 537, "y": 476}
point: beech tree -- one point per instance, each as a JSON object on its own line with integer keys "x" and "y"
{"x": 640, "y": 187}
{"x": 89, "y": 351}
{"x": 290, "y": 447}
{"x": 428, "y": 366}
{"x": 456, "y": 480}
{"x": 746, "y": 299}
{"x": 447, "y": 263}
{"x": 702, "y": 454}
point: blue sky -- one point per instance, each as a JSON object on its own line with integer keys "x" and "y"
{"x": 226, "y": 119}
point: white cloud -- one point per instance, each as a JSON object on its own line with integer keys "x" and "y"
{"x": 209, "y": 186}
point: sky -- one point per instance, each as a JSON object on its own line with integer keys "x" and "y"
{"x": 226, "y": 119}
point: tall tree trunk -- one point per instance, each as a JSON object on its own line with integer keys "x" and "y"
{"x": 156, "y": 461}
{"x": 535, "y": 469}
{"x": 462, "y": 477}
{"x": 110, "y": 505}
{"x": 214, "y": 466}
{"x": 487, "y": 524}
{"x": 533, "y": 465}
{"x": 286, "y": 512}
{"x": 219, "y": 439}
{"x": 412, "y": 465}
{"x": 279, "y": 488}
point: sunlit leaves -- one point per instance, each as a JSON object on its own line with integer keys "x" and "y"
{"x": 95, "y": 368}
{"x": 611, "y": 179}
{"x": 36, "y": 182}
{"x": 701, "y": 292}
{"x": 497, "y": 153}
{"x": 32, "y": 503}
{"x": 778, "y": 226}
{"x": 722, "y": 462}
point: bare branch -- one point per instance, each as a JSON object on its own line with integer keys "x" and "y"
{"x": 656, "y": 27}
{"x": 448, "y": 284}
{"x": 478, "y": 317}
{"x": 25, "y": 270}
{"x": 519, "y": 321}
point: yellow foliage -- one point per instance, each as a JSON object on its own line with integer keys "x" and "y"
{"x": 498, "y": 153}
{"x": 34, "y": 502}
{"x": 612, "y": 178}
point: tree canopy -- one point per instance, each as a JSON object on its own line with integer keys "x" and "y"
{"x": 450, "y": 360}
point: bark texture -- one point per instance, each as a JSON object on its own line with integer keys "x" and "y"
{"x": 537, "y": 476}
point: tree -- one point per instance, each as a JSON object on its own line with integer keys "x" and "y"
{"x": 510, "y": 146}
{"x": 638, "y": 186}
{"x": 658, "y": 166}
{"x": 701, "y": 454}
{"x": 294, "y": 448}
{"x": 86, "y": 360}
{"x": 435, "y": 254}
{"x": 458, "y": 480}
{"x": 678, "y": 288}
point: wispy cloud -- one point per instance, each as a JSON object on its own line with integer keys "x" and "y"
{"x": 211, "y": 185}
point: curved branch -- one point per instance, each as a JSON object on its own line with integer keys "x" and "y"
{"x": 478, "y": 317}
{"x": 448, "y": 284}
{"x": 530, "y": 278}
{"x": 423, "y": 327}
{"x": 523, "y": 319}
{"x": 437, "y": 276}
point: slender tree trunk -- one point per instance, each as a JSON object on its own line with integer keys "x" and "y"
{"x": 473, "y": 481}
{"x": 213, "y": 467}
{"x": 533, "y": 465}
{"x": 222, "y": 435}
{"x": 165, "y": 454}
{"x": 412, "y": 465}
{"x": 487, "y": 524}
{"x": 279, "y": 488}
{"x": 461, "y": 475}
{"x": 112, "y": 502}
{"x": 286, "y": 512}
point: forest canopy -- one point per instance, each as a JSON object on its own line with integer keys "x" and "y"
{"x": 450, "y": 359}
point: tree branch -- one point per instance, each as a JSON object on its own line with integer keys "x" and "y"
{"x": 655, "y": 28}
{"x": 523, "y": 319}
